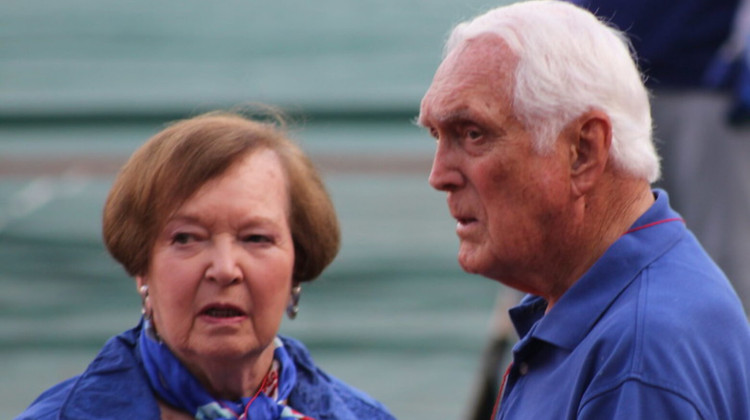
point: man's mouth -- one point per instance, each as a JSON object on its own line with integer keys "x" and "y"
{"x": 466, "y": 220}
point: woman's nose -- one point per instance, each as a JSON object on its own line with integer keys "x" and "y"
{"x": 223, "y": 267}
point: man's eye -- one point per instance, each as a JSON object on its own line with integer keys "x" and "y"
{"x": 473, "y": 134}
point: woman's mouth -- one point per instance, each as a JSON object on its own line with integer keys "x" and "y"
{"x": 222, "y": 311}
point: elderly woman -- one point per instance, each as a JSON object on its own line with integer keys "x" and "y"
{"x": 219, "y": 219}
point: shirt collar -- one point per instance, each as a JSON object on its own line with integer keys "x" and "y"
{"x": 568, "y": 322}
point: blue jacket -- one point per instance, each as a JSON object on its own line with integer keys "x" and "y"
{"x": 676, "y": 40}
{"x": 652, "y": 331}
{"x": 114, "y": 386}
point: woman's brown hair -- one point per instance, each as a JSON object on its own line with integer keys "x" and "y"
{"x": 172, "y": 165}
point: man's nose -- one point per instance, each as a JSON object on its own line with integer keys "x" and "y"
{"x": 445, "y": 174}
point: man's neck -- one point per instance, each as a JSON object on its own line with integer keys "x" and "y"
{"x": 607, "y": 215}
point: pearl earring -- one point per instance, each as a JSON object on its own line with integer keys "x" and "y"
{"x": 293, "y": 307}
{"x": 146, "y": 309}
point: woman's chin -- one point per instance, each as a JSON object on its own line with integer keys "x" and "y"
{"x": 233, "y": 349}
{"x": 222, "y": 321}
{"x": 223, "y": 349}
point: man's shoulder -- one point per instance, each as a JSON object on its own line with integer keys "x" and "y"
{"x": 685, "y": 288}
{"x": 662, "y": 333}
{"x": 682, "y": 296}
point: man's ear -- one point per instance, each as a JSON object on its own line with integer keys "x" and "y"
{"x": 589, "y": 149}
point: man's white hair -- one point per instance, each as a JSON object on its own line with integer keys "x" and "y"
{"x": 571, "y": 62}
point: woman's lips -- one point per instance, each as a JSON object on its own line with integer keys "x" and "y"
{"x": 220, "y": 312}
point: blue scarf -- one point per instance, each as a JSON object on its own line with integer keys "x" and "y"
{"x": 173, "y": 383}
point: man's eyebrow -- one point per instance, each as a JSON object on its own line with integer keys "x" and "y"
{"x": 458, "y": 115}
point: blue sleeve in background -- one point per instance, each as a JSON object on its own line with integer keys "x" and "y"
{"x": 679, "y": 45}
{"x": 675, "y": 40}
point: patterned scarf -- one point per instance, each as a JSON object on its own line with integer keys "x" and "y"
{"x": 174, "y": 384}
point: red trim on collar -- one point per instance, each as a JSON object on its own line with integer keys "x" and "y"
{"x": 501, "y": 391}
{"x": 658, "y": 222}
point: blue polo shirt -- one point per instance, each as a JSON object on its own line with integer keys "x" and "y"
{"x": 652, "y": 331}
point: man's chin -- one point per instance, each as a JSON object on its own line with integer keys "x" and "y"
{"x": 470, "y": 260}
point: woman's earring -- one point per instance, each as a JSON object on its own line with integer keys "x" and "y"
{"x": 293, "y": 307}
{"x": 146, "y": 309}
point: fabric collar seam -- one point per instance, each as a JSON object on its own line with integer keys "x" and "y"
{"x": 664, "y": 385}
{"x": 678, "y": 236}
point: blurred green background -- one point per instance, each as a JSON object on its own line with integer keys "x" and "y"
{"x": 84, "y": 82}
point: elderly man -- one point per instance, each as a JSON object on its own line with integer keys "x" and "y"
{"x": 544, "y": 150}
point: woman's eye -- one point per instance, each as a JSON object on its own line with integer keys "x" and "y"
{"x": 256, "y": 238}
{"x": 182, "y": 238}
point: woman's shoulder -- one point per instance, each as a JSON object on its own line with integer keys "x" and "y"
{"x": 48, "y": 404}
{"x": 324, "y": 396}
{"x": 112, "y": 381}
